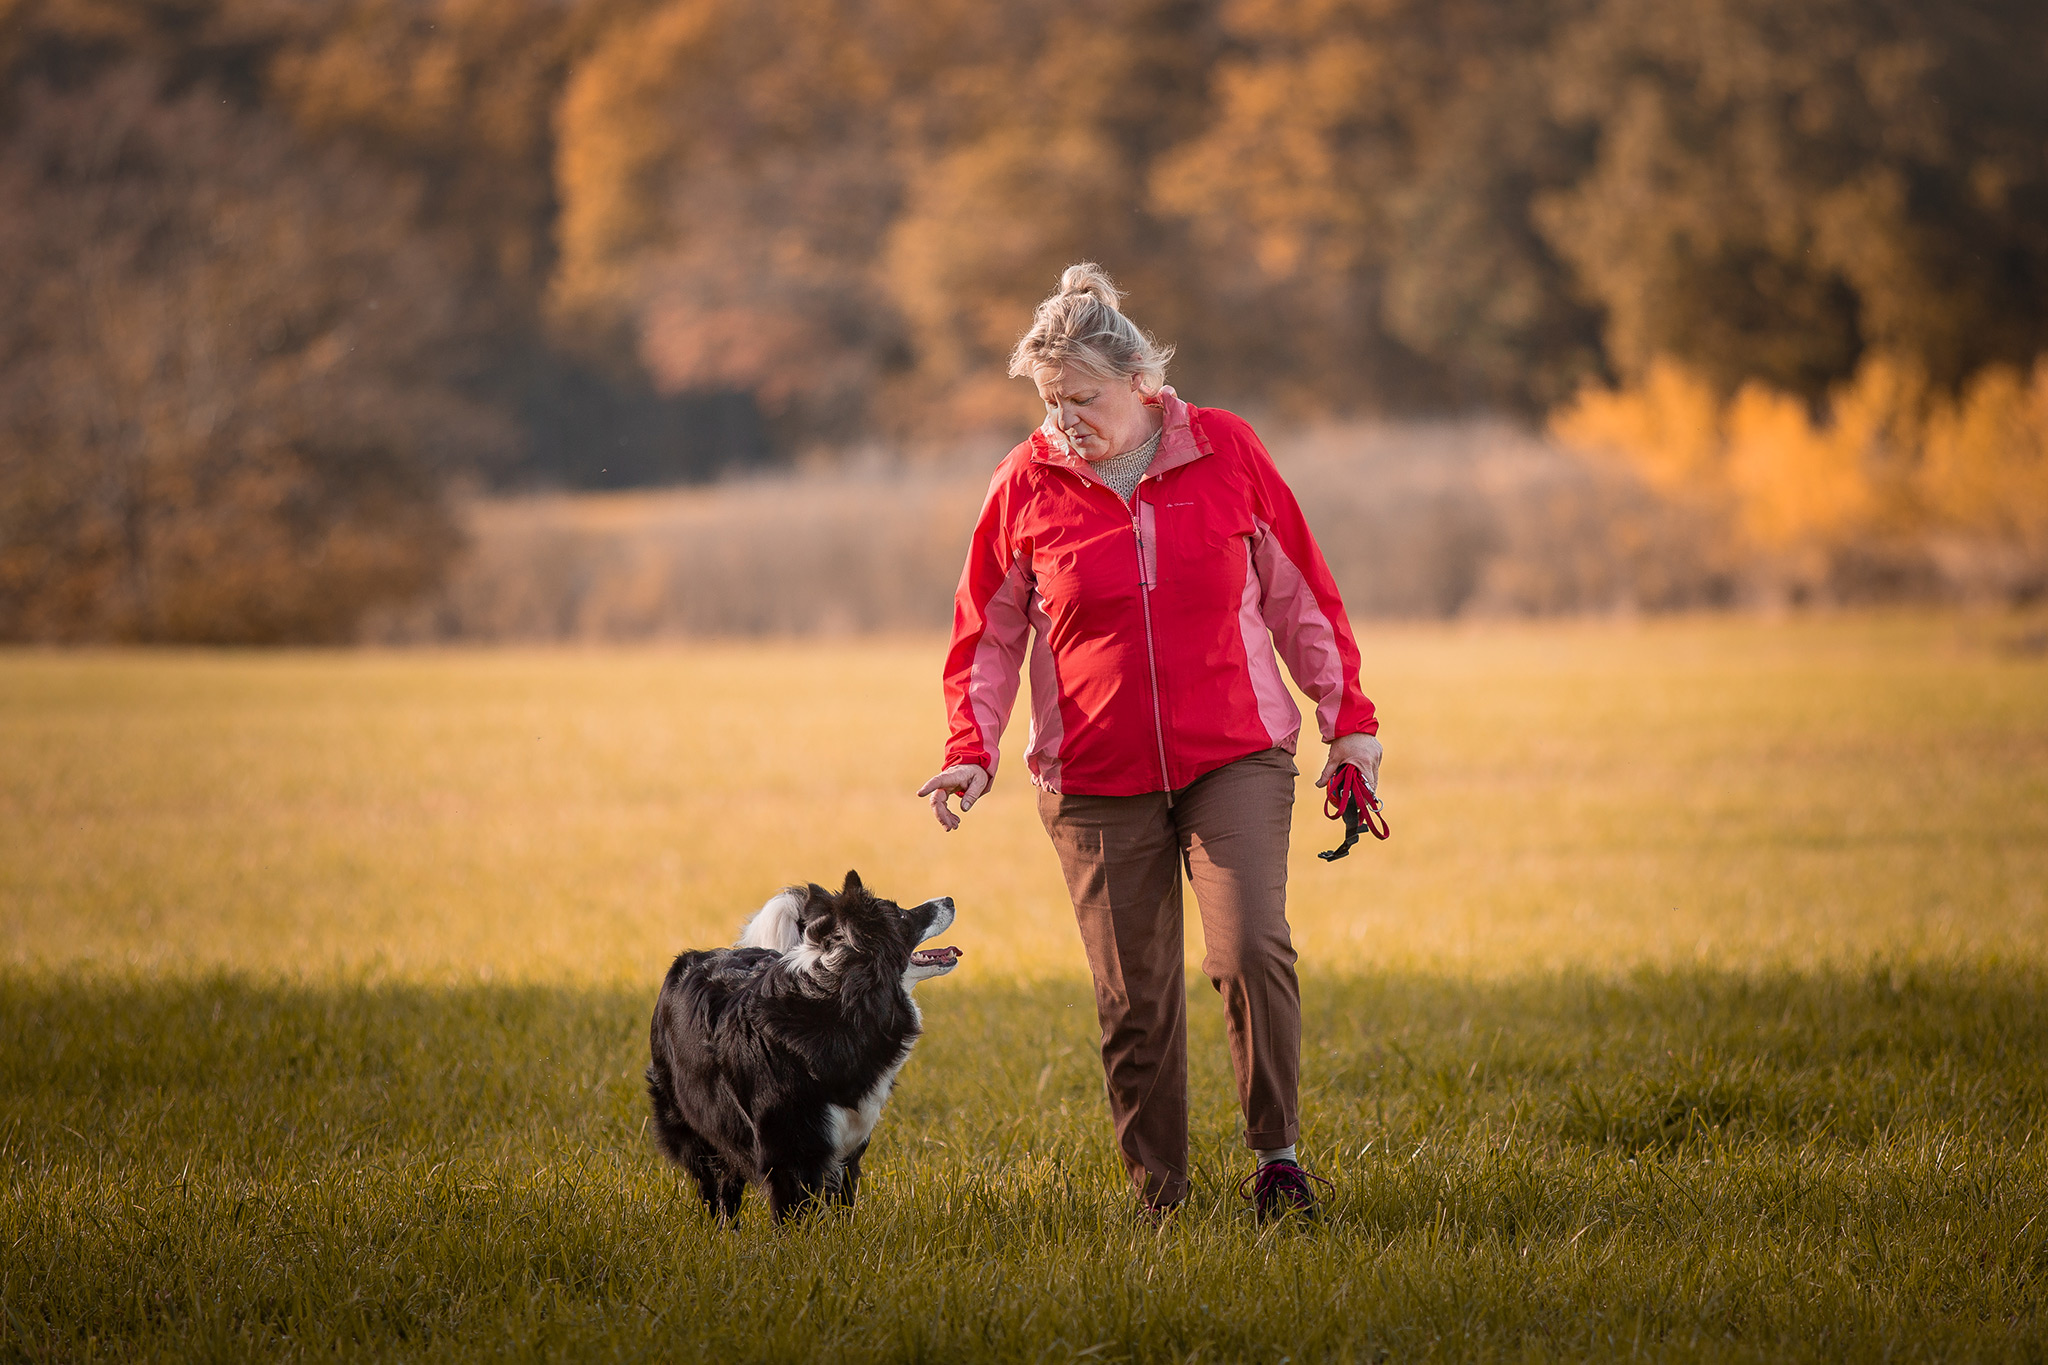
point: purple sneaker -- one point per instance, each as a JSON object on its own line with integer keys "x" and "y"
{"x": 1279, "y": 1188}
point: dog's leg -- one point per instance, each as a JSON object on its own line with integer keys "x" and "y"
{"x": 678, "y": 1141}
{"x": 702, "y": 1161}
{"x": 704, "y": 1167}
{"x": 848, "y": 1185}
{"x": 732, "y": 1187}
{"x": 794, "y": 1190}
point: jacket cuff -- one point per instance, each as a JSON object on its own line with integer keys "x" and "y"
{"x": 1369, "y": 726}
{"x": 982, "y": 758}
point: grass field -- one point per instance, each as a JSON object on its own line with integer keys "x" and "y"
{"x": 1698, "y": 1008}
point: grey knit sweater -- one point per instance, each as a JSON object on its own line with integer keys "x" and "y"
{"x": 1122, "y": 472}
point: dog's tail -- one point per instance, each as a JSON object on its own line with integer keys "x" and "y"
{"x": 778, "y": 924}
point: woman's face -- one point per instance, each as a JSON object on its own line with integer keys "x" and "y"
{"x": 1100, "y": 417}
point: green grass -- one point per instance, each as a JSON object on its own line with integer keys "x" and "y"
{"x": 1698, "y": 1008}
{"x": 1777, "y": 1166}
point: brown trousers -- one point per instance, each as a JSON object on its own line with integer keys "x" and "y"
{"x": 1123, "y": 857}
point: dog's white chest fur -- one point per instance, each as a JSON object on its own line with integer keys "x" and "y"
{"x": 851, "y": 1127}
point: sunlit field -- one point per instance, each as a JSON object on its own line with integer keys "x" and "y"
{"x": 1698, "y": 1007}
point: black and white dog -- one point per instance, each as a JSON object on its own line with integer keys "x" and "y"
{"x": 772, "y": 1058}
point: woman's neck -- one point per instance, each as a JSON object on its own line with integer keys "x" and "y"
{"x": 1155, "y": 423}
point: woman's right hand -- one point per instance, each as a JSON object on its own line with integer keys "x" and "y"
{"x": 971, "y": 780}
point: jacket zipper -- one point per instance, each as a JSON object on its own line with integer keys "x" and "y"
{"x": 1151, "y": 660}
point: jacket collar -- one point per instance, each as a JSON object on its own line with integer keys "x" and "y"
{"x": 1179, "y": 442}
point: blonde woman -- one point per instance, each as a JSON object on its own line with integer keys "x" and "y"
{"x": 1144, "y": 559}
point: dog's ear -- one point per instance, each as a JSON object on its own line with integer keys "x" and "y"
{"x": 852, "y": 883}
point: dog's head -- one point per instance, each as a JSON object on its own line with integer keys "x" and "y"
{"x": 853, "y": 931}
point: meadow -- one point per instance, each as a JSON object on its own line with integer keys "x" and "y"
{"x": 1697, "y": 1009}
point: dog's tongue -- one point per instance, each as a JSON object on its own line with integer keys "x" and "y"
{"x": 935, "y": 956}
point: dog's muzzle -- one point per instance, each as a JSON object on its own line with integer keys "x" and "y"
{"x": 936, "y": 961}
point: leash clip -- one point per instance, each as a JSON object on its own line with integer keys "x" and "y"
{"x": 1351, "y": 798}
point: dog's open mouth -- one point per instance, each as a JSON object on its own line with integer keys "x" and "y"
{"x": 935, "y": 957}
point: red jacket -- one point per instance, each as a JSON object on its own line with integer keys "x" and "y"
{"x": 1150, "y": 627}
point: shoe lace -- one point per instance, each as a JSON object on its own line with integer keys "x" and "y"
{"x": 1282, "y": 1179}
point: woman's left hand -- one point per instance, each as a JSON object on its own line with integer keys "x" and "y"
{"x": 1362, "y": 752}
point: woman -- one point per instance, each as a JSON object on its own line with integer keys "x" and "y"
{"x": 1146, "y": 558}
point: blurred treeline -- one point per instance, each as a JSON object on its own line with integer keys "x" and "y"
{"x": 277, "y": 275}
{"x": 1425, "y": 519}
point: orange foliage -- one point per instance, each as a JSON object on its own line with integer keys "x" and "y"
{"x": 1887, "y": 458}
{"x": 1986, "y": 462}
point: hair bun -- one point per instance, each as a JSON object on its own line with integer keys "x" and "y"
{"x": 1090, "y": 278}
{"x": 1082, "y": 325}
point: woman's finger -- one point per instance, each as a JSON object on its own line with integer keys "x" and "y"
{"x": 970, "y": 780}
{"x": 949, "y": 780}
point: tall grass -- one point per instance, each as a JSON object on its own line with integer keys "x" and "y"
{"x": 1695, "y": 1010}
{"x": 1423, "y": 520}
{"x": 1691, "y": 1163}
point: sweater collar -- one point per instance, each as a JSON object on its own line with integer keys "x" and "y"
{"x": 1179, "y": 443}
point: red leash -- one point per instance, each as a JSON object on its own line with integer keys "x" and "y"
{"x": 1351, "y": 799}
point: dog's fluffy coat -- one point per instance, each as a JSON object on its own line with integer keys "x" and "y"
{"x": 772, "y": 1059}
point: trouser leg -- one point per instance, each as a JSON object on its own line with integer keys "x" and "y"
{"x": 1233, "y": 826}
{"x": 1122, "y": 865}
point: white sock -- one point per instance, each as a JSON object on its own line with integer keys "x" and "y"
{"x": 1267, "y": 1158}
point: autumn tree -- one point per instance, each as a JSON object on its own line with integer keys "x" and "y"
{"x": 224, "y": 412}
{"x": 1366, "y": 185}
{"x": 849, "y": 210}
{"x": 726, "y": 174}
{"x": 273, "y": 272}
{"x": 1777, "y": 187}
{"x": 1040, "y": 155}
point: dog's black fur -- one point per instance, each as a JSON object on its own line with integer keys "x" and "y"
{"x": 770, "y": 1066}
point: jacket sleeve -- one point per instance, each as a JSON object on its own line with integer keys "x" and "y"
{"x": 1298, "y": 598}
{"x": 991, "y": 629}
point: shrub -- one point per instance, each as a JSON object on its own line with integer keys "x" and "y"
{"x": 1890, "y": 483}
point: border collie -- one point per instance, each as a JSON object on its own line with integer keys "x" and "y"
{"x": 772, "y": 1058}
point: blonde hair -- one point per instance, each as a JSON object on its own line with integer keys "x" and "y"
{"x": 1080, "y": 325}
